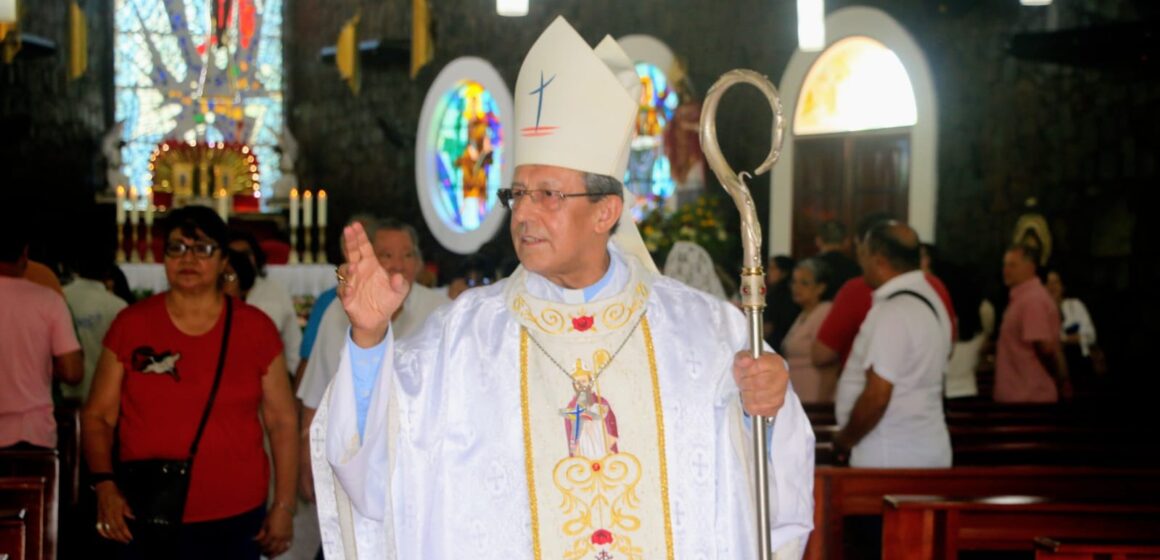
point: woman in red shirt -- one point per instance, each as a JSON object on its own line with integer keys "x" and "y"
{"x": 152, "y": 385}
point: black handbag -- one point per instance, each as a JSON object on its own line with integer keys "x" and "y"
{"x": 156, "y": 489}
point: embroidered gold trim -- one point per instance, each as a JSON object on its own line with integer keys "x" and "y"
{"x": 525, "y": 413}
{"x": 525, "y": 410}
{"x": 652, "y": 367}
{"x": 554, "y": 321}
{"x": 550, "y": 321}
{"x": 586, "y": 488}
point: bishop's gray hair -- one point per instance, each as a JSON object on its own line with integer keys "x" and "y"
{"x": 598, "y": 186}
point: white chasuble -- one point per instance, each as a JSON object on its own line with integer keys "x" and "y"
{"x": 593, "y": 424}
{"x": 623, "y": 437}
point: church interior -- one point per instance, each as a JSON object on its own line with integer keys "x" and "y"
{"x": 983, "y": 124}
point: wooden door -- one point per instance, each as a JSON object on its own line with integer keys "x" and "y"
{"x": 846, "y": 176}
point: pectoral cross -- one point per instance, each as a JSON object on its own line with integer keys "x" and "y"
{"x": 577, "y": 414}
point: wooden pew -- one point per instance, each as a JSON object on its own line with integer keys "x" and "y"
{"x": 988, "y": 434}
{"x": 841, "y": 492}
{"x": 930, "y": 527}
{"x": 1053, "y": 548}
{"x": 68, "y": 445}
{"x": 30, "y": 494}
{"x": 12, "y": 537}
{"x": 42, "y": 466}
{"x": 1032, "y": 453}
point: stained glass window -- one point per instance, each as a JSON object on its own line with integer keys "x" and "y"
{"x": 468, "y": 155}
{"x": 856, "y": 84}
{"x": 202, "y": 71}
{"x": 649, "y": 174}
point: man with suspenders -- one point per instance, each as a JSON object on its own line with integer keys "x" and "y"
{"x": 889, "y": 401}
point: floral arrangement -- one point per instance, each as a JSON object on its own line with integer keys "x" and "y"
{"x": 700, "y": 222}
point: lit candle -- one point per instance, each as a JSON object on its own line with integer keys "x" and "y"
{"x": 321, "y": 208}
{"x": 134, "y": 217}
{"x": 120, "y": 205}
{"x": 148, "y": 207}
{"x": 307, "y": 209}
{"x": 293, "y": 208}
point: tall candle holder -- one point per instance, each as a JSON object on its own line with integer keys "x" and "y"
{"x": 134, "y": 249}
{"x": 149, "y": 209}
{"x": 120, "y": 243}
{"x": 320, "y": 254}
{"x": 149, "y": 245}
{"x": 293, "y": 244}
{"x": 307, "y": 254}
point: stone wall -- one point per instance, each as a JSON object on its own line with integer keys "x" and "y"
{"x": 51, "y": 126}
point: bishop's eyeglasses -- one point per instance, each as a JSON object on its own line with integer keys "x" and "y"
{"x": 200, "y": 249}
{"x": 546, "y": 198}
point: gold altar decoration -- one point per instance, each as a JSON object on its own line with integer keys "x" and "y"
{"x": 200, "y": 169}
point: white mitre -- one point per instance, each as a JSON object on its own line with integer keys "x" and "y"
{"x": 576, "y": 108}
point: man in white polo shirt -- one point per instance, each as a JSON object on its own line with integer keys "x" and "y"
{"x": 889, "y": 402}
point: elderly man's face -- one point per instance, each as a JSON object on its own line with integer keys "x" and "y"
{"x": 565, "y": 244}
{"x": 1016, "y": 268}
{"x": 396, "y": 253}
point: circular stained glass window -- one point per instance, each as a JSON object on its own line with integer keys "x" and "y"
{"x": 463, "y": 159}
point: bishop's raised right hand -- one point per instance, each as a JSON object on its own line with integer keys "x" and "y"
{"x": 369, "y": 294}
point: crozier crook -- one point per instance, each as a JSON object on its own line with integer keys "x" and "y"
{"x": 752, "y": 271}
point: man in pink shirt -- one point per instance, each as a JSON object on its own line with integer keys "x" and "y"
{"x": 37, "y": 342}
{"x": 1029, "y": 366}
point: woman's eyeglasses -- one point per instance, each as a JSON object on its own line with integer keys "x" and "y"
{"x": 201, "y": 250}
{"x": 548, "y": 199}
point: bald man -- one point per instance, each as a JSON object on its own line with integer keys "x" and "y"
{"x": 889, "y": 401}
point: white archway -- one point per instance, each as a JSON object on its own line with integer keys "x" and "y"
{"x": 923, "y": 189}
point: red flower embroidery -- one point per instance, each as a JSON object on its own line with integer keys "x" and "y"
{"x": 601, "y": 536}
{"x": 582, "y": 323}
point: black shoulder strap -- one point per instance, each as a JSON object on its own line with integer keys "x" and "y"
{"x": 917, "y": 295}
{"x": 217, "y": 377}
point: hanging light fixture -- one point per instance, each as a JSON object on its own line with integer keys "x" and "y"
{"x": 9, "y": 30}
{"x": 1035, "y": 2}
{"x": 811, "y": 25}
{"x": 511, "y": 8}
{"x": 9, "y": 16}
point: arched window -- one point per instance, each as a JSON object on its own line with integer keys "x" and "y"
{"x": 650, "y": 174}
{"x": 864, "y": 136}
{"x": 856, "y": 84}
{"x": 199, "y": 72}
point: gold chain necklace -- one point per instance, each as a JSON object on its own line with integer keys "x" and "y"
{"x": 601, "y": 368}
